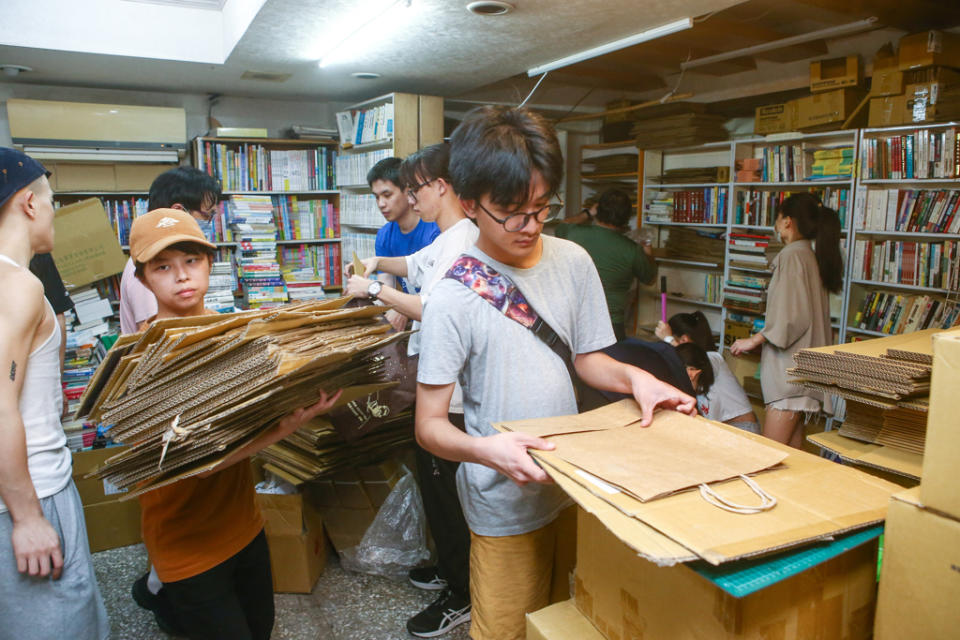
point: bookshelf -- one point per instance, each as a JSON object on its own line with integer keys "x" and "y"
{"x": 905, "y": 243}
{"x": 391, "y": 125}
{"x": 279, "y": 225}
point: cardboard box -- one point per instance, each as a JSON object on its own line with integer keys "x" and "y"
{"x": 828, "y": 109}
{"x": 626, "y": 596}
{"x": 835, "y": 73}
{"x": 105, "y": 176}
{"x": 561, "y": 621}
{"x": 734, "y": 330}
{"x": 887, "y": 111}
{"x": 776, "y": 118}
{"x": 939, "y": 489}
{"x": 886, "y": 82}
{"x": 920, "y": 578}
{"x": 350, "y": 500}
{"x": 298, "y": 549}
{"x": 929, "y": 49}
{"x": 932, "y": 95}
{"x": 111, "y": 522}
{"x": 86, "y": 249}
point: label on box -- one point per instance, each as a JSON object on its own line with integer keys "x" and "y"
{"x": 934, "y": 42}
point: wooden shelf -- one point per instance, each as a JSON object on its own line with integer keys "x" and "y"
{"x": 610, "y": 145}
{"x": 300, "y": 142}
{"x": 607, "y": 176}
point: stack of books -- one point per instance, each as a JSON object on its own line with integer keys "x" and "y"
{"x": 832, "y": 164}
{"x": 308, "y": 266}
{"x": 252, "y": 222}
{"x": 659, "y": 209}
{"x": 747, "y": 291}
{"x": 223, "y": 282}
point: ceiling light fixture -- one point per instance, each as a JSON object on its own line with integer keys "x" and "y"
{"x": 829, "y": 32}
{"x": 365, "y": 75}
{"x": 350, "y": 45}
{"x": 13, "y": 70}
{"x": 616, "y": 45}
{"x": 490, "y": 8}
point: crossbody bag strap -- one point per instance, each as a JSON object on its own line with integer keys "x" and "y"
{"x": 502, "y": 294}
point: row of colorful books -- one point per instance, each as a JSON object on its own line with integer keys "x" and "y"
{"x": 922, "y": 264}
{"x": 757, "y": 207}
{"x": 254, "y": 167}
{"x": 922, "y": 154}
{"x": 921, "y": 210}
{"x": 895, "y": 313}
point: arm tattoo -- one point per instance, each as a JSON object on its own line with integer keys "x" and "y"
{"x": 13, "y": 369}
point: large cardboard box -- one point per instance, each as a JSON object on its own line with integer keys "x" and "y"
{"x": 887, "y": 111}
{"x": 87, "y": 248}
{"x": 887, "y": 79}
{"x": 111, "y": 522}
{"x": 940, "y": 488}
{"x": 298, "y": 549}
{"x": 928, "y": 49}
{"x": 349, "y": 500}
{"x": 104, "y": 176}
{"x": 561, "y": 621}
{"x": 626, "y": 596}
{"x": 835, "y": 73}
{"x": 776, "y": 118}
{"x": 828, "y": 109}
{"x": 932, "y": 94}
{"x": 920, "y": 578}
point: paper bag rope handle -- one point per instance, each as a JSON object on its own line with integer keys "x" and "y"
{"x": 767, "y": 501}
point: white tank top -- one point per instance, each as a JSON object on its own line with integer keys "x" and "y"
{"x": 41, "y": 401}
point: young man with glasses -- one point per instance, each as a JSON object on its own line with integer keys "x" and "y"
{"x": 506, "y": 166}
{"x": 432, "y": 198}
{"x": 404, "y": 233}
{"x": 184, "y": 188}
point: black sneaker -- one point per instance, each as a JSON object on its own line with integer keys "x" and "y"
{"x": 445, "y": 613}
{"x": 427, "y": 578}
{"x": 161, "y": 608}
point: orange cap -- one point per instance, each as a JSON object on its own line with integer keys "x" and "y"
{"x": 157, "y": 230}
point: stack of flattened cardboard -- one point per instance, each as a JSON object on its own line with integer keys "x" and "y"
{"x": 614, "y": 163}
{"x": 633, "y": 480}
{"x": 317, "y": 449}
{"x": 678, "y": 124}
{"x": 886, "y": 383}
{"x": 190, "y": 391}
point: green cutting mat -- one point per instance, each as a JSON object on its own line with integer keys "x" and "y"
{"x": 743, "y": 577}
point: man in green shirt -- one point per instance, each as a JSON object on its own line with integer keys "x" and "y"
{"x": 618, "y": 258}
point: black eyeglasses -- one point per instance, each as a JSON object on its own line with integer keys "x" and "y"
{"x": 412, "y": 191}
{"x": 517, "y": 221}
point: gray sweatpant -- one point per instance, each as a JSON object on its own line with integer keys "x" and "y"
{"x": 46, "y": 609}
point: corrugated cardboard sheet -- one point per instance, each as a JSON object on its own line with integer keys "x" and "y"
{"x": 816, "y": 498}
{"x": 897, "y": 461}
{"x": 941, "y": 461}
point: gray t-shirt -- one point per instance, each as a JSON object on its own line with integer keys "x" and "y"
{"x": 507, "y": 373}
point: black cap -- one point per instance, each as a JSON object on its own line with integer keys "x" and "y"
{"x": 17, "y": 170}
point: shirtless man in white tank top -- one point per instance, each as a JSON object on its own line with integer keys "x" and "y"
{"x": 42, "y": 532}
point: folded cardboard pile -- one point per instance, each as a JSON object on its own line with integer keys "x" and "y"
{"x": 898, "y": 428}
{"x": 189, "y": 391}
{"x": 317, "y": 449}
{"x": 634, "y": 480}
{"x": 611, "y": 164}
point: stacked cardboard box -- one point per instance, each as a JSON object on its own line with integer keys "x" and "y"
{"x": 111, "y": 522}
{"x": 917, "y": 85}
{"x": 298, "y": 548}
{"x": 920, "y": 580}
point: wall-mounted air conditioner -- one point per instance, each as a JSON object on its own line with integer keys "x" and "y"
{"x": 80, "y": 131}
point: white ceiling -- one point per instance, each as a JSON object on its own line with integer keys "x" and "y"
{"x": 435, "y": 46}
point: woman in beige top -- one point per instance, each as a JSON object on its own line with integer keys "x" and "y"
{"x": 798, "y": 310}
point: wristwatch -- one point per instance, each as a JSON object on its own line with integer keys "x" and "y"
{"x": 670, "y": 340}
{"x": 374, "y": 288}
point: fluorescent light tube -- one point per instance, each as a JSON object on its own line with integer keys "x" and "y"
{"x": 643, "y": 36}
{"x": 829, "y": 32}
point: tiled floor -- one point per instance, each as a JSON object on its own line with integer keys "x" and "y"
{"x": 343, "y": 605}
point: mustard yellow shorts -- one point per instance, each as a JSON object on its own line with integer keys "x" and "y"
{"x": 511, "y": 576}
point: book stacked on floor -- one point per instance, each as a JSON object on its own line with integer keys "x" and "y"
{"x": 254, "y": 167}
{"x": 923, "y": 210}
{"x": 895, "y": 313}
{"x": 922, "y": 264}
{"x": 832, "y": 164}
{"x": 921, "y": 154}
{"x": 223, "y": 283}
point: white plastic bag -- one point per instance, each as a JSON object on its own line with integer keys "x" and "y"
{"x": 396, "y": 540}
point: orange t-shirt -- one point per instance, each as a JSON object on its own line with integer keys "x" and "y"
{"x": 195, "y": 524}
